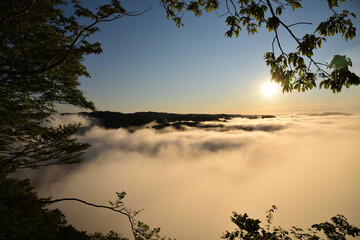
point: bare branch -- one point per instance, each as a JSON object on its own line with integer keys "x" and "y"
{"x": 221, "y": 15}
{"x": 278, "y": 41}
{"x": 309, "y": 23}
{"x": 272, "y": 44}
{"x": 234, "y": 6}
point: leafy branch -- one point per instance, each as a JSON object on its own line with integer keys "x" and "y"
{"x": 41, "y": 55}
{"x": 104, "y": 13}
{"x": 140, "y": 231}
{"x": 290, "y": 70}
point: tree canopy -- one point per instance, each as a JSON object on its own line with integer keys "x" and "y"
{"x": 41, "y": 55}
{"x": 292, "y": 70}
{"x": 23, "y": 215}
{"x": 42, "y": 49}
{"x": 250, "y": 229}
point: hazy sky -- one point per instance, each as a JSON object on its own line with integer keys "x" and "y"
{"x": 149, "y": 64}
{"x": 189, "y": 182}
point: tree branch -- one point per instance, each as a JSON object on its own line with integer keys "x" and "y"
{"x": 17, "y": 14}
{"x": 122, "y": 210}
{"x": 22, "y": 45}
{"x": 278, "y": 41}
{"x": 309, "y": 23}
{"x": 293, "y": 36}
{"x": 73, "y": 43}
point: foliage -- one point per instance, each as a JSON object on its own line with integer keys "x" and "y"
{"x": 110, "y": 236}
{"x": 140, "y": 230}
{"x": 294, "y": 70}
{"x": 41, "y": 54}
{"x": 250, "y": 229}
{"x": 144, "y": 232}
{"x": 26, "y": 219}
{"x": 23, "y": 215}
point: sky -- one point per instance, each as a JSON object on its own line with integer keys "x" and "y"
{"x": 189, "y": 182}
{"x": 149, "y": 64}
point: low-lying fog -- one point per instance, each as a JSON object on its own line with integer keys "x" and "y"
{"x": 189, "y": 182}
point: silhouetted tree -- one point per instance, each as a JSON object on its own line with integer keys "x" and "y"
{"x": 23, "y": 215}
{"x": 110, "y": 236}
{"x": 42, "y": 49}
{"x": 250, "y": 229}
{"x": 293, "y": 70}
{"x": 26, "y": 219}
{"x": 41, "y": 54}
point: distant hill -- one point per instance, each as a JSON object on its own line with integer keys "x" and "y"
{"x": 330, "y": 114}
{"x": 114, "y": 120}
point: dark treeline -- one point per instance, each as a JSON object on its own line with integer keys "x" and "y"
{"x": 114, "y": 120}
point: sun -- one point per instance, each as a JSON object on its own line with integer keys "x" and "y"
{"x": 269, "y": 89}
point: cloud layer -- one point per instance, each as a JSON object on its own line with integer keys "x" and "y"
{"x": 190, "y": 181}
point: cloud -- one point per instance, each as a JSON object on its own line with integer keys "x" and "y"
{"x": 190, "y": 181}
{"x": 249, "y": 127}
{"x": 64, "y": 119}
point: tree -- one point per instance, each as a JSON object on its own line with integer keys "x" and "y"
{"x": 42, "y": 49}
{"x": 41, "y": 54}
{"x": 250, "y": 229}
{"x": 26, "y": 219}
{"x": 294, "y": 70}
{"x": 23, "y": 215}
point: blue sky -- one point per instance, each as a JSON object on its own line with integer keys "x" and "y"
{"x": 148, "y": 64}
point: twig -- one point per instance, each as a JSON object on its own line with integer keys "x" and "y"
{"x": 309, "y": 23}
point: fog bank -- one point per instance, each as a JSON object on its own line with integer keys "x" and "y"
{"x": 190, "y": 181}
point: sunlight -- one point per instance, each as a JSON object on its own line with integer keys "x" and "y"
{"x": 269, "y": 89}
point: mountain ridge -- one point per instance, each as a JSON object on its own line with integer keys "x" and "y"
{"x": 115, "y": 120}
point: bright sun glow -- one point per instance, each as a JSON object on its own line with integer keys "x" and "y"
{"x": 269, "y": 89}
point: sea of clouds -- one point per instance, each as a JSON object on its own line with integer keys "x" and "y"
{"x": 190, "y": 181}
